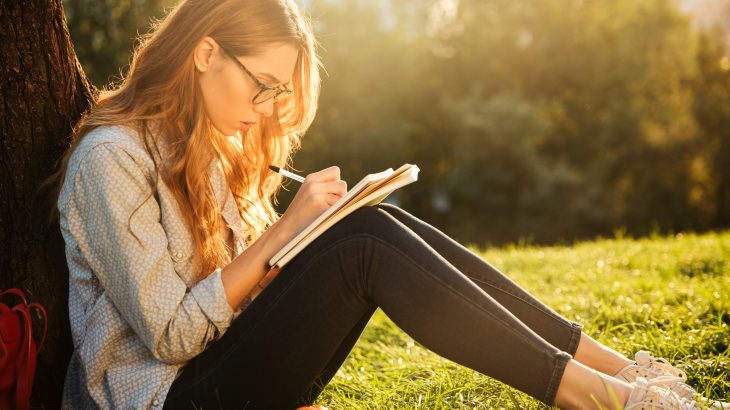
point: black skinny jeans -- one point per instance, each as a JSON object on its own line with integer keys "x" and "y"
{"x": 295, "y": 335}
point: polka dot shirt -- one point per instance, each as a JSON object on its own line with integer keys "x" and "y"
{"x": 139, "y": 309}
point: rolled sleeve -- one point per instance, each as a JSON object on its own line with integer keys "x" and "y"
{"x": 120, "y": 234}
{"x": 211, "y": 297}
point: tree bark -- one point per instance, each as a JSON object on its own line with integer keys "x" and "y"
{"x": 43, "y": 92}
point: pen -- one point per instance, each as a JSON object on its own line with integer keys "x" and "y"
{"x": 286, "y": 173}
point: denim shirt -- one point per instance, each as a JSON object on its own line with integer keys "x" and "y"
{"x": 139, "y": 309}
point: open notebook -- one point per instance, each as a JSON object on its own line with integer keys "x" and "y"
{"x": 370, "y": 190}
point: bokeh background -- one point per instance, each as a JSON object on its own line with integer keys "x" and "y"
{"x": 541, "y": 121}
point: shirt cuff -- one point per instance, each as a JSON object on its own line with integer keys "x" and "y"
{"x": 211, "y": 297}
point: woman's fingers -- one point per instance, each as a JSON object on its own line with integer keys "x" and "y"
{"x": 331, "y": 199}
{"x": 327, "y": 174}
{"x": 338, "y": 188}
{"x": 318, "y": 193}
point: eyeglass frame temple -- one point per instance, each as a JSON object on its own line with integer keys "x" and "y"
{"x": 262, "y": 87}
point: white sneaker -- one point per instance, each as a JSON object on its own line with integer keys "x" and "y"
{"x": 649, "y": 395}
{"x": 650, "y": 367}
{"x": 663, "y": 374}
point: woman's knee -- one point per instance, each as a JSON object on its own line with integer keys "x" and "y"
{"x": 368, "y": 216}
{"x": 400, "y": 214}
{"x": 375, "y": 221}
{"x": 390, "y": 208}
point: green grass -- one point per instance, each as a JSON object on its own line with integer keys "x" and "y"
{"x": 668, "y": 295}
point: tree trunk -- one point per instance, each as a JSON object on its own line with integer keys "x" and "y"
{"x": 43, "y": 92}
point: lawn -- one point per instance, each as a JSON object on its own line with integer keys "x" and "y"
{"x": 669, "y": 295}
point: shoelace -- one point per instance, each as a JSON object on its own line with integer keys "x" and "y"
{"x": 656, "y": 397}
{"x": 658, "y": 366}
{"x": 680, "y": 388}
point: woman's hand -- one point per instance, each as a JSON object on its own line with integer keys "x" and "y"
{"x": 318, "y": 192}
{"x": 242, "y": 276}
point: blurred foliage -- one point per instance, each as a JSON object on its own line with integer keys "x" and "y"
{"x": 544, "y": 120}
{"x": 104, "y": 33}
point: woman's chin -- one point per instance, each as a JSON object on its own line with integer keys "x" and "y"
{"x": 227, "y": 131}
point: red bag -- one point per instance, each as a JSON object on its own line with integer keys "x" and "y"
{"x": 18, "y": 351}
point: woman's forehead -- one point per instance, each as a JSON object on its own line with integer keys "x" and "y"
{"x": 274, "y": 63}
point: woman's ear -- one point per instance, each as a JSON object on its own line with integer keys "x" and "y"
{"x": 203, "y": 53}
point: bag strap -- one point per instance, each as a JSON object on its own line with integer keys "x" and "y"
{"x": 19, "y": 293}
{"x": 15, "y": 291}
{"x": 26, "y": 360}
{"x": 45, "y": 323}
{"x": 4, "y": 355}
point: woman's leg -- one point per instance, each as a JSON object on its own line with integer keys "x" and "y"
{"x": 557, "y": 330}
{"x": 281, "y": 344}
{"x": 597, "y": 356}
{"x": 336, "y": 361}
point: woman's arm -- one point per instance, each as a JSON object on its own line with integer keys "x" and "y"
{"x": 131, "y": 260}
{"x": 115, "y": 222}
{"x": 318, "y": 192}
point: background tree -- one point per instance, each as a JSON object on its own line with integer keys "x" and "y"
{"x": 542, "y": 119}
{"x": 539, "y": 120}
{"x": 43, "y": 92}
{"x": 104, "y": 33}
{"x": 712, "y": 110}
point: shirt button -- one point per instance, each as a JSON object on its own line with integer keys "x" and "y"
{"x": 155, "y": 403}
{"x": 179, "y": 255}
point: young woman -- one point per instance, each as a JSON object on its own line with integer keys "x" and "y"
{"x": 165, "y": 204}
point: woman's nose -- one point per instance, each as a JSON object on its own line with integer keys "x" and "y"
{"x": 265, "y": 108}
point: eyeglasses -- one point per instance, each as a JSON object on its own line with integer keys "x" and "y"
{"x": 266, "y": 92}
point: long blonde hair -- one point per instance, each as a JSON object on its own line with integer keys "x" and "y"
{"x": 162, "y": 67}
